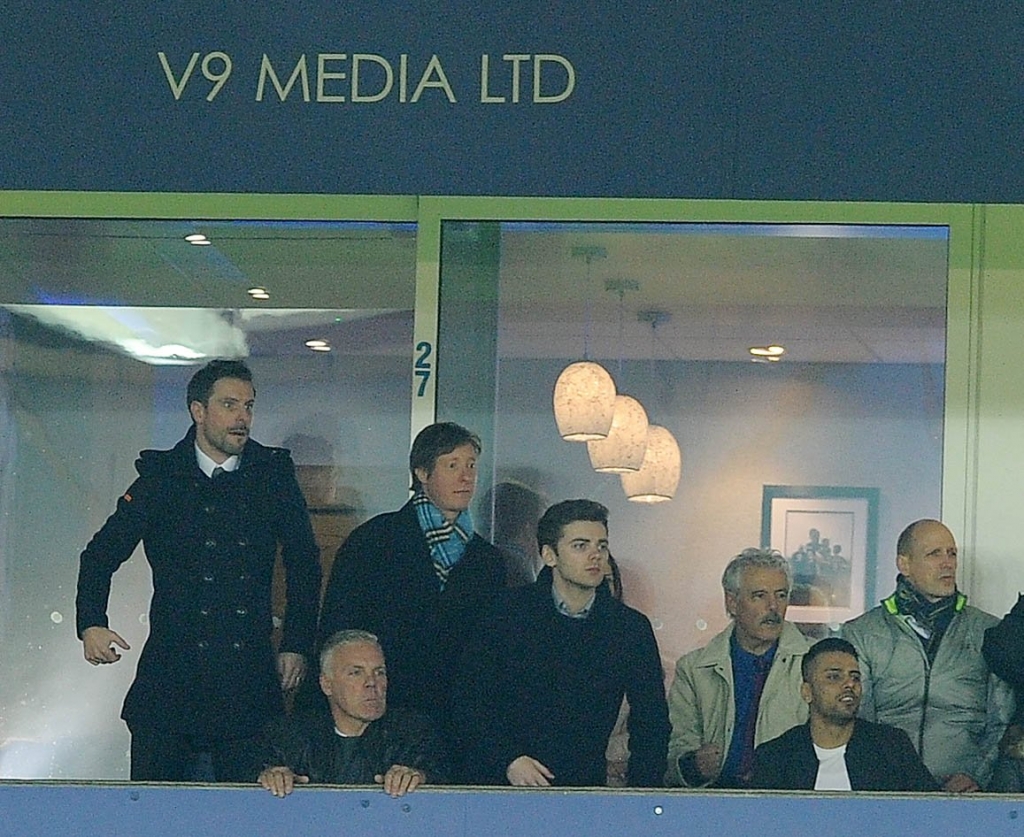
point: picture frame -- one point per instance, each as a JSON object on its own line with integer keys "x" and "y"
{"x": 830, "y": 536}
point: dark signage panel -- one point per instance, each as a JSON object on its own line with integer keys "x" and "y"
{"x": 739, "y": 100}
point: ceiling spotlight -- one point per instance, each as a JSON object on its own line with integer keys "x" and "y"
{"x": 197, "y": 239}
{"x": 772, "y": 352}
{"x": 258, "y": 293}
{"x": 318, "y": 345}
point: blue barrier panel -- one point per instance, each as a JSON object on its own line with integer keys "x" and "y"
{"x": 31, "y": 809}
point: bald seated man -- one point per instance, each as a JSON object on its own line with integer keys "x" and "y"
{"x": 921, "y": 664}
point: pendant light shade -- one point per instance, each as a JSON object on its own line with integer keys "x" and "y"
{"x": 658, "y": 477}
{"x": 623, "y": 449}
{"x": 584, "y": 402}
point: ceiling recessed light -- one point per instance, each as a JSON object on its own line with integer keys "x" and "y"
{"x": 772, "y": 352}
{"x": 197, "y": 239}
{"x": 258, "y": 293}
{"x": 318, "y": 345}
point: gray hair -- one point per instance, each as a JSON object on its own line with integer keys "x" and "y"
{"x": 346, "y": 637}
{"x": 769, "y": 559}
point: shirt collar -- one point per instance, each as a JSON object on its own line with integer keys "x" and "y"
{"x": 563, "y": 608}
{"x": 206, "y": 464}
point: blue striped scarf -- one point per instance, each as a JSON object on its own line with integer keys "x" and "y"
{"x": 447, "y": 539}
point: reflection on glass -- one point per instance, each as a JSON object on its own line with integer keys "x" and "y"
{"x": 101, "y": 325}
{"x": 856, "y": 398}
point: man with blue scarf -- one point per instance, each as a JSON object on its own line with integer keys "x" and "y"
{"x": 921, "y": 663}
{"x": 419, "y": 577}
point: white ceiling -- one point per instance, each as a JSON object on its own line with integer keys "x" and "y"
{"x": 857, "y": 295}
{"x": 846, "y": 294}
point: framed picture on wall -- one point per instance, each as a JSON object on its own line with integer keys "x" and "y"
{"x": 830, "y": 536}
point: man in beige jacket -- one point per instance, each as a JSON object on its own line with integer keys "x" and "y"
{"x": 743, "y": 687}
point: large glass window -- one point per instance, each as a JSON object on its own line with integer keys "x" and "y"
{"x": 849, "y": 419}
{"x": 102, "y": 322}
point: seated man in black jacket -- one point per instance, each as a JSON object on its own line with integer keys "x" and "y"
{"x": 836, "y": 750}
{"x": 541, "y": 688}
{"x": 363, "y": 745}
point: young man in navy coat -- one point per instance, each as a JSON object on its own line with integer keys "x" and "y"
{"x": 541, "y": 688}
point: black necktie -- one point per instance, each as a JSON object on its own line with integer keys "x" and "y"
{"x": 217, "y": 471}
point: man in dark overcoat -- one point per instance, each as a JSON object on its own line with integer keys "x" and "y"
{"x": 211, "y": 514}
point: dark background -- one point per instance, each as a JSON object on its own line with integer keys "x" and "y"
{"x": 837, "y": 101}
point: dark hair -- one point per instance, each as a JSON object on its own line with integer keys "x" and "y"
{"x": 510, "y": 507}
{"x": 560, "y": 515}
{"x": 905, "y": 542}
{"x": 828, "y": 645}
{"x": 436, "y": 440}
{"x": 202, "y": 383}
{"x": 615, "y": 582}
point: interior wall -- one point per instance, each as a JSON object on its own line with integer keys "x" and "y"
{"x": 740, "y": 426}
{"x": 995, "y": 495}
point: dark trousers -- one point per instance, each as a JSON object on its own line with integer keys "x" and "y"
{"x": 1007, "y": 776}
{"x": 164, "y": 756}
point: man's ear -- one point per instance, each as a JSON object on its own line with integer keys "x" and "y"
{"x": 422, "y": 474}
{"x": 901, "y": 564}
{"x": 548, "y": 555}
{"x": 325, "y": 684}
{"x": 730, "y": 605}
{"x": 196, "y": 410}
{"x": 805, "y": 692}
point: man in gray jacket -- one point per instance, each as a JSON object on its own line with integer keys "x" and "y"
{"x": 743, "y": 687}
{"x": 921, "y": 663}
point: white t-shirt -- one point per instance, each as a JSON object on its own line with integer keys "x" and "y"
{"x": 832, "y": 773}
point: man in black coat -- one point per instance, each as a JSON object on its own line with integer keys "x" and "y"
{"x": 361, "y": 741}
{"x": 419, "y": 578}
{"x": 1003, "y": 649}
{"x": 211, "y": 514}
{"x": 542, "y": 686}
{"x": 835, "y": 750}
